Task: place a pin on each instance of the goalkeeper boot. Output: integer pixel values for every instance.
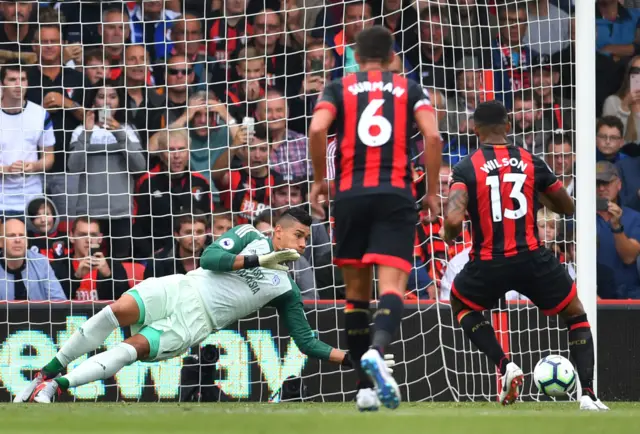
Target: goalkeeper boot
(386, 386)
(25, 394)
(511, 383)
(589, 402)
(367, 400)
(46, 392)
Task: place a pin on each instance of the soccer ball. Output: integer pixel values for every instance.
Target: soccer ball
(554, 375)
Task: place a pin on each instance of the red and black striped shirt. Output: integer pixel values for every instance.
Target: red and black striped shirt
(502, 182)
(374, 113)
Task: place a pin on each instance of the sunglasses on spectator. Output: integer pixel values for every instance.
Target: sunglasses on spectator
(174, 71)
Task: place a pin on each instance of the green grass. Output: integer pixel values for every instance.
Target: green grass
(436, 418)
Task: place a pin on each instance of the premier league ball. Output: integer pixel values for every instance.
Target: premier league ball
(555, 376)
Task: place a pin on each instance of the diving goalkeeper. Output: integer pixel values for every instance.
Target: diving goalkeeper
(239, 273)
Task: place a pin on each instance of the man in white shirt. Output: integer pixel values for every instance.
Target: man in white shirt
(549, 28)
(26, 143)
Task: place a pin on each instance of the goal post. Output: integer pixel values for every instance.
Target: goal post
(586, 240)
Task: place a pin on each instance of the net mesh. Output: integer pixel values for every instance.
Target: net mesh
(176, 120)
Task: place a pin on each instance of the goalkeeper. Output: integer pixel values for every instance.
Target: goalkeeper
(240, 273)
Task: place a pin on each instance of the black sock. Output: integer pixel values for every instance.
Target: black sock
(482, 334)
(386, 320)
(581, 349)
(357, 319)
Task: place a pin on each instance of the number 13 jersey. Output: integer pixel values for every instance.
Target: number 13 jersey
(374, 123)
(502, 182)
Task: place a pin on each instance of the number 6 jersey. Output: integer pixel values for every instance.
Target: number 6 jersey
(374, 124)
(502, 182)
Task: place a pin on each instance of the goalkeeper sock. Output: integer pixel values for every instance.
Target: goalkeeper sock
(87, 338)
(357, 321)
(99, 367)
(481, 333)
(581, 349)
(387, 319)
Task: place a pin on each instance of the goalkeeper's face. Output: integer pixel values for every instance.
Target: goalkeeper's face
(290, 234)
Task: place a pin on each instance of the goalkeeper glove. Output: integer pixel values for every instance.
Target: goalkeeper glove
(389, 361)
(272, 260)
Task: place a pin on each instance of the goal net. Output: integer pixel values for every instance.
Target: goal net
(175, 120)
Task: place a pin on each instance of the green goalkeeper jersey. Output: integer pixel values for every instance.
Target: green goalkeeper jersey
(230, 295)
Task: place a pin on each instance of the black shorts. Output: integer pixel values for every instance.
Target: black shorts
(537, 275)
(375, 229)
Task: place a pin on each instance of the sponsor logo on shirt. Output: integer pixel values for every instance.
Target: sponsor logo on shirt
(275, 280)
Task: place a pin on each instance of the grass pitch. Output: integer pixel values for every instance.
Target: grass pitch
(315, 418)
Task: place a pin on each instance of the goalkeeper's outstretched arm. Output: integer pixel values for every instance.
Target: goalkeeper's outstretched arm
(289, 306)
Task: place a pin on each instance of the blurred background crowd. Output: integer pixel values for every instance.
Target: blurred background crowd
(132, 133)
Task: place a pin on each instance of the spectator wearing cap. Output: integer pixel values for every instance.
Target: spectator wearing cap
(618, 232)
(24, 274)
(548, 29)
(609, 139)
(167, 194)
(557, 112)
(510, 56)
(438, 56)
(289, 151)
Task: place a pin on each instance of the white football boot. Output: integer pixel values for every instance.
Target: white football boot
(511, 383)
(588, 404)
(367, 400)
(25, 394)
(386, 387)
(46, 392)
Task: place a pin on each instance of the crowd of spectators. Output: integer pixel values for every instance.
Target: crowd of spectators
(132, 133)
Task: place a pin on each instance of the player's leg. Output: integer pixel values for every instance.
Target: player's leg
(99, 367)
(352, 222)
(554, 292)
(469, 297)
(391, 249)
(88, 337)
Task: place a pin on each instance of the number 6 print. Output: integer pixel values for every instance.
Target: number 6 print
(370, 119)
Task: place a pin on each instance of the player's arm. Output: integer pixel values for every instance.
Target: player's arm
(324, 114)
(224, 254)
(289, 306)
(456, 211)
(551, 192)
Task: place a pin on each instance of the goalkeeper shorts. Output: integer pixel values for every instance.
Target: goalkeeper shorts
(537, 275)
(172, 316)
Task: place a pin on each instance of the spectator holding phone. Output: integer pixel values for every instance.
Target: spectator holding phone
(618, 231)
(625, 104)
(83, 271)
(106, 152)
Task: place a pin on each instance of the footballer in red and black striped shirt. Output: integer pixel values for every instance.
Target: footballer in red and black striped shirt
(375, 216)
(501, 186)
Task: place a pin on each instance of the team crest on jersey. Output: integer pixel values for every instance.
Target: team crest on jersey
(58, 248)
(275, 280)
(227, 243)
(197, 193)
